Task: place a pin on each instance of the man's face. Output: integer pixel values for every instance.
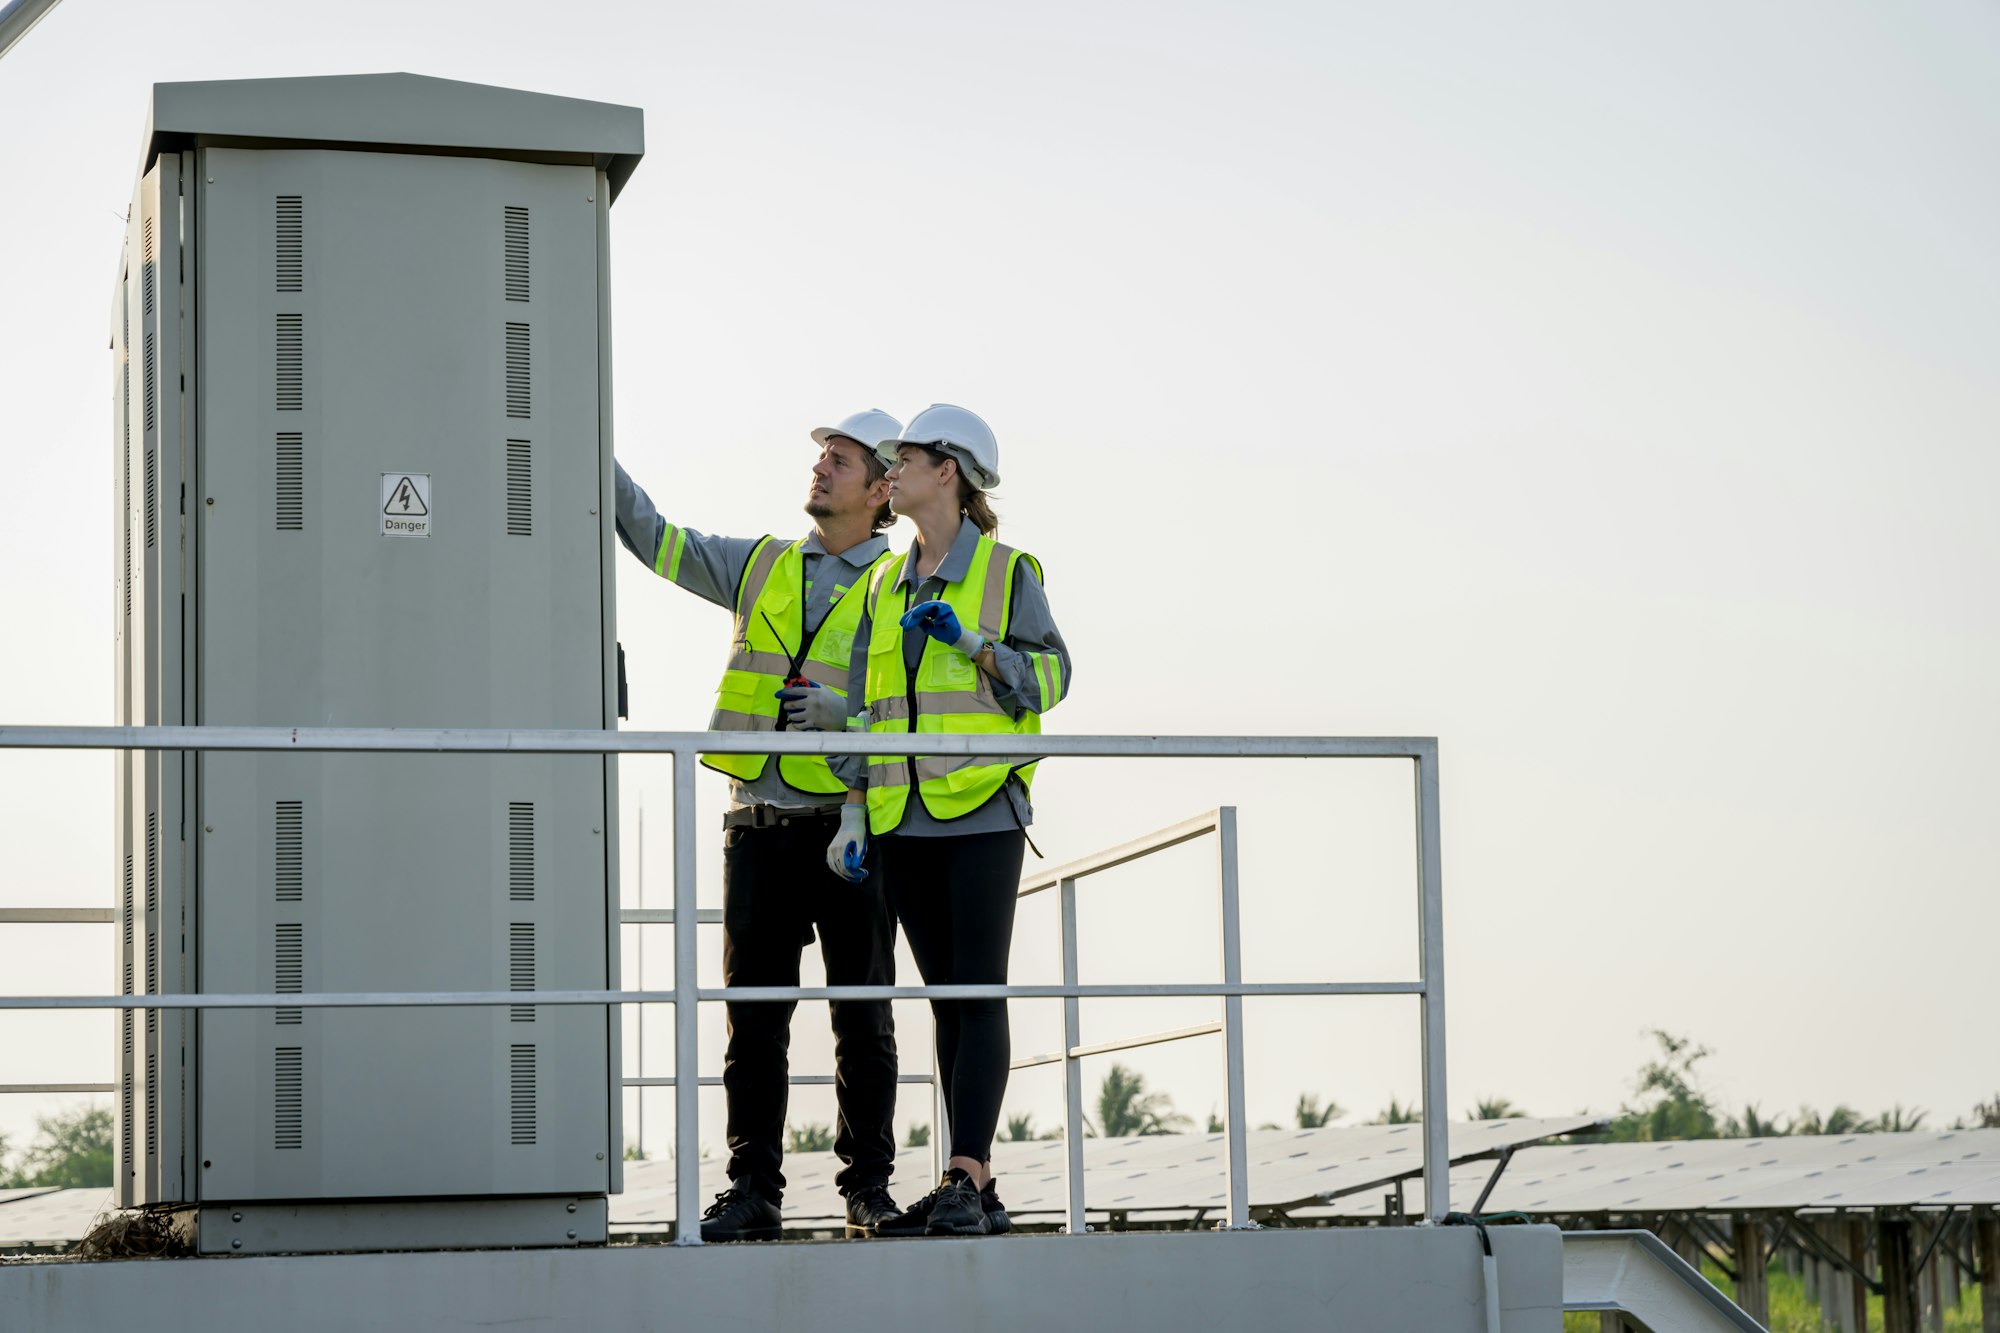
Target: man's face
(840, 487)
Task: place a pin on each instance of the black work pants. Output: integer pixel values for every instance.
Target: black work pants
(775, 890)
(955, 897)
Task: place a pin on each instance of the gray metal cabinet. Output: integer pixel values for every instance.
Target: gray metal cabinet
(371, 490)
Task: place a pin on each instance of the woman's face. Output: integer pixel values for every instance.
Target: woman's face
(917, 479)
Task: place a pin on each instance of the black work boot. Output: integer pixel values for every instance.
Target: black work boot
(997, 1220)
(869, 1207)
(957, 1211)
(912, 1220)
(740, 1214)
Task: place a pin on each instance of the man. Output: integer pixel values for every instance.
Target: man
(796, 607)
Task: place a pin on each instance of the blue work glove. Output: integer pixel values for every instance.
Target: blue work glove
(938, 620)
(844, 855)
(813, 707)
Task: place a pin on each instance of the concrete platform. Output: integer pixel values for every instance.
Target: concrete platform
(1373, 1280)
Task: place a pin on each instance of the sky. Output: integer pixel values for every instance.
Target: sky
(1607, 391)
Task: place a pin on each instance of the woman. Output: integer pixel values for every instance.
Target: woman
(955, 638)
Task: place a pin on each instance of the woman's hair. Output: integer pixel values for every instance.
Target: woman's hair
(876, 469)
(972, 501)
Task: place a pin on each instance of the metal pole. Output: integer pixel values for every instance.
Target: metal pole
(687, 1014)
(1430, 935)
(18, 17)
(639, 1010)
(940, 1118)
(1072, 1068)
(1232, 1021)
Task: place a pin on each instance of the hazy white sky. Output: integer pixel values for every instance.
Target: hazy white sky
(1608, 391)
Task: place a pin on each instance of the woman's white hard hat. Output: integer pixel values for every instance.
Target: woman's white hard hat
(957, 432)
(867, 429)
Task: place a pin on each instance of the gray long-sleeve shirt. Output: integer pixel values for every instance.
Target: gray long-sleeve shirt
(1026, 681)
(712, 568)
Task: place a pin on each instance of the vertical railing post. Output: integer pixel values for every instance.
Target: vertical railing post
(1430, 940)
(1232, 1020)
(1072, 1069)
(687, 1013)
(940, 1117)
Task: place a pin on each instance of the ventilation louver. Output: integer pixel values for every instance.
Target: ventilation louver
(521, 966)
(520, 489)
(521, 1095)
(291, 243)
(519, 397)
(288, 1102)
(521, 851)
(291, 474)
(291, 363)
(289, 968)
(517, 253)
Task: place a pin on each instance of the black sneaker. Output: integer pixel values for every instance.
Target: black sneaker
(912, 1220)
(868, 1208)
(740, 1214)
(957, 1211)
(997, 1220)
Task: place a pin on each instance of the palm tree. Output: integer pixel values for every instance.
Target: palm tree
(1898, 1121)
(1311, 1115)
(1495, 1108)
(1987, 1113)
(808, 1138)
(918, 1137)
(1399, 1114)
(1020, 1128)
(1753, 1125)
(1125, 1108)
(1841, 1119)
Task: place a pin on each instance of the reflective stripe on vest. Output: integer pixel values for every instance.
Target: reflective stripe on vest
(771, 604)
(950, 696)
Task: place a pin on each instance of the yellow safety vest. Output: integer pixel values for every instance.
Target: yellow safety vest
(770, 627)
(950, 695)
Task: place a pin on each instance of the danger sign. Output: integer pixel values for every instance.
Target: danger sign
(406, 504)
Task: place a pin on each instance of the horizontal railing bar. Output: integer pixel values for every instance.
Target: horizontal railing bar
(735, 995)
(1172, 836)
(58, 1087)
(10, 916)
(797, 1080)
(433, 740)
(664, 916)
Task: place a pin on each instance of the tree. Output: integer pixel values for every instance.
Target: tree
(1494, 1108)
(809, 1138)
(634, 1153)
(1840, 1120)
(1897, 1120)
(1987, 1114)
(1125, 1108)
(918, 1137)
(72, 1150)
(1215, 1125)
(1753, 1125)
(1311, 1115)
(1673, 1104)
(1020, 1128)
(1399, 1114)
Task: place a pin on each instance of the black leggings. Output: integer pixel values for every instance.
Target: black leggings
(955, 898)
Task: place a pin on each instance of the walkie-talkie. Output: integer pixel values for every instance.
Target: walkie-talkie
(794, 681)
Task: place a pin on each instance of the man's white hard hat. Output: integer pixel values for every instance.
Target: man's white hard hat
(957, 432)
(867, 429)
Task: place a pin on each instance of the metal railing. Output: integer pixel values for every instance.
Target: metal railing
(687, 994)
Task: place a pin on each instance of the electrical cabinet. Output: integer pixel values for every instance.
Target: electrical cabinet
(364, 474)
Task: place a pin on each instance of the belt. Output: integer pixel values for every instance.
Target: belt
(776, 816)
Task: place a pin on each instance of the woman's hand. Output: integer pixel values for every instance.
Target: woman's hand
(938, 620)
(849, 848)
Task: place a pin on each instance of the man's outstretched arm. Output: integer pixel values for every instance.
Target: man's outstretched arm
(709, 567)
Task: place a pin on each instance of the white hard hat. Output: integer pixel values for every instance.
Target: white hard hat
(867, 429)
(959, 433)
